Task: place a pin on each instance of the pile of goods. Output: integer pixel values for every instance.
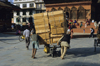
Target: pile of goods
(50, 26)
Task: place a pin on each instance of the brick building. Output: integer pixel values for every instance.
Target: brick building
(79, 10)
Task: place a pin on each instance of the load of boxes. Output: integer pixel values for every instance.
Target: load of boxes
(50, 26)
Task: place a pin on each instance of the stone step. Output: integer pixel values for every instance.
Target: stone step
(86, 27)
(84, 23)
(80, 30)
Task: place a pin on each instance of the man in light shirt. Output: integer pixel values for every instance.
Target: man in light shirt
(26, 33)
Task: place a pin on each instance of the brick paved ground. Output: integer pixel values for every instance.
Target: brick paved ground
(81, 53)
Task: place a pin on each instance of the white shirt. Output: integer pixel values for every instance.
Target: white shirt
(26, 33)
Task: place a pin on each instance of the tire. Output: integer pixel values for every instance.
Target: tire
(20, 38)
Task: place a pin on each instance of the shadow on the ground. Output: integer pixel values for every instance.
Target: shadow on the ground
(82, 52)
(78, 64)
(8, 39)
(77, 52)
(7, 35)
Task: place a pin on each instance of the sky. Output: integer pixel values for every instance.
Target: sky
(10, 1)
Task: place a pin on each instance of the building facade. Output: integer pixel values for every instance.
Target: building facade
(6, 9)
(79, 10)
(28, 9)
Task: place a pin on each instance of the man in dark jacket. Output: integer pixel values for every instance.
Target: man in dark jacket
(92, 33)
(64, 41)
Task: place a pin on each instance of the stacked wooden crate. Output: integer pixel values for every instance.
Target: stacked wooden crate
(42, 26)
(57, 27)
(50, 26)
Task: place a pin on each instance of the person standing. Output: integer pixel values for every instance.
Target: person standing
(95, 24)
(85, 25)
(83, 30)
(71, 33)
(92, 33)
(35, 43)
(81, 24)
(26, 33)
(64, 41)
(32, 31)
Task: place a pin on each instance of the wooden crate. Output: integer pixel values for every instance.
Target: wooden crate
(41, 21)
(44, 35)
(42, 27)
(55, 40)
(38, 16)
(57, 31)
(55, 36)
(47, 41)
(42, 31)
(55, 13)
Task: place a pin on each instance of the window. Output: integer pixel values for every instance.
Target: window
(31, 5)
(24, 19)
(18, 12)
(24, 12)
(31, 20)
(40, 5)
(37, 5)
(18, 19)
(24, 5)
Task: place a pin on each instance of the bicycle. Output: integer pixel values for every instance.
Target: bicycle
(21, 38)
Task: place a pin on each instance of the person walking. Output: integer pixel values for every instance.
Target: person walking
(35, 44)
(64, 42)
(92, 33)
(81, 24)
(26, 33)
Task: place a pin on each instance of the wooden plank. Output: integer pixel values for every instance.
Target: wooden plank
(42, 31)
(55, 36)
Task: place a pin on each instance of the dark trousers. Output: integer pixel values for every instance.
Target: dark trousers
(27, 40)
(91, 35)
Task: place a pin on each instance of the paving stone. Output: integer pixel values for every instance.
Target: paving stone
(81, 53)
